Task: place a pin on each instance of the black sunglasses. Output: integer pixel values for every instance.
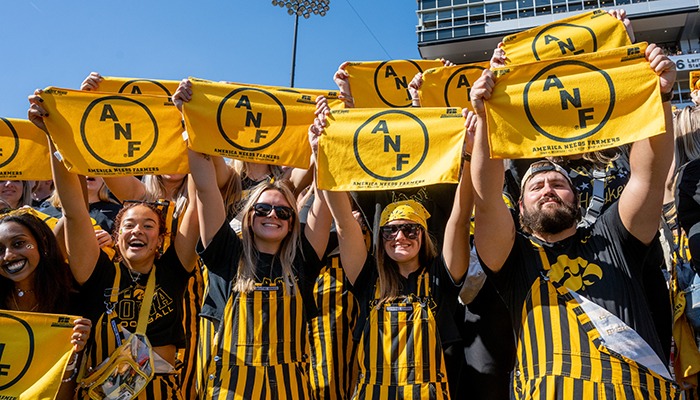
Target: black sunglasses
(389, 232)
(264, 210)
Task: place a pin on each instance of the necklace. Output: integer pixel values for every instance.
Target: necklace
(14, 300)
(135, 275)
(21, 292)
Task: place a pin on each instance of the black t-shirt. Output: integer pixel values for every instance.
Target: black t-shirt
(104, 212)
(603, 263)
(443, 293)
(222, 256)
(165, 322)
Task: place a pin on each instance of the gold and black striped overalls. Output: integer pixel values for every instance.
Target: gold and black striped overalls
(106, 341)
(261, 346)
(560, 353)
(400, 353)
(333, 362)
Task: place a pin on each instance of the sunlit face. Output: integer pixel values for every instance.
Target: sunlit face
(11, 192)
(271, 228)
(402, 249)
(139, 238)
(548, 204)
(19, 252)
(94, 183)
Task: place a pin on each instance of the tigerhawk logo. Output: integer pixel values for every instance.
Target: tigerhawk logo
(576, 274)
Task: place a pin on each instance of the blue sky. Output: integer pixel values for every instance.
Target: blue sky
(58, 43)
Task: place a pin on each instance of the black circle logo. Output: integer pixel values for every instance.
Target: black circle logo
(144, 86)
(557, 40)
(248, 121)
(560, 100)
(9, 142)
(133, 131)
(391, 79)
(462, 78)
(391, 150)
(22, 346)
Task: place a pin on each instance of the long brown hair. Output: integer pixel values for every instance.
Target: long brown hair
(245, 276)
(53, 281)
(388, 270)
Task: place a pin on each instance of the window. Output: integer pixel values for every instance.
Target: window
(445, 14)
(444, 33)
(461, 32)
(508, 5)
(543, 10)
(460, 12)
(526, 13)
(444, 3)
(427, 4)
(428, 36)
(493, 8)
(477, 30)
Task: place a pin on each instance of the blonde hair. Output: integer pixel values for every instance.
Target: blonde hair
(26, 198)
(388, 270)
(686, 130)
(155, 190)
(245, 276)
(241, 167)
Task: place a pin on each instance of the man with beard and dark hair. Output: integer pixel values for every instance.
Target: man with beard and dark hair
(576, 295)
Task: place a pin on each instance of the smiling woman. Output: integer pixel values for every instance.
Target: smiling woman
(260, 283)
(34, 277)
(113, 291)
(16, 193)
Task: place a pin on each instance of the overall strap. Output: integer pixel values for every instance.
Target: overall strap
(146, 302)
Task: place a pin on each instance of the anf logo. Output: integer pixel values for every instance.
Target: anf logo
(119, 131)
(459, 85)
(16, 351)
(391, 145)
(145, 86)
(391, 79)
(9, 142)
(560, 40)
(556, 98)
(251, 119)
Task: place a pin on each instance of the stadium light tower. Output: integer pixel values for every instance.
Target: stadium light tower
(301, 8)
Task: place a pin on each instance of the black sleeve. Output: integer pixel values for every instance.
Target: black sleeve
(611, 226)
(443, 284)
(221, 260)
(93, 291)
(222, 253)
(688, 199)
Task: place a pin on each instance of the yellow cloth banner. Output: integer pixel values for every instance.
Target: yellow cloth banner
(156, 87)
(579, 104)
(379, 149)
(250, 124)
(694, 80)
(330, 95)
(449, 86)
(34, 351)
(106, 134)
(24, 151)
(384, 83)
(583, 33)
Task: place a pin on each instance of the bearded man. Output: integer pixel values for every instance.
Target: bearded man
(576, 295)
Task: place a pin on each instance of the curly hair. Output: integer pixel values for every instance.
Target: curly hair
(129, 204)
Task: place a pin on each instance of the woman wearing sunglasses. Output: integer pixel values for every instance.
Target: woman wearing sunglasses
(407, 291)
(259, 289)
(112, 291)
